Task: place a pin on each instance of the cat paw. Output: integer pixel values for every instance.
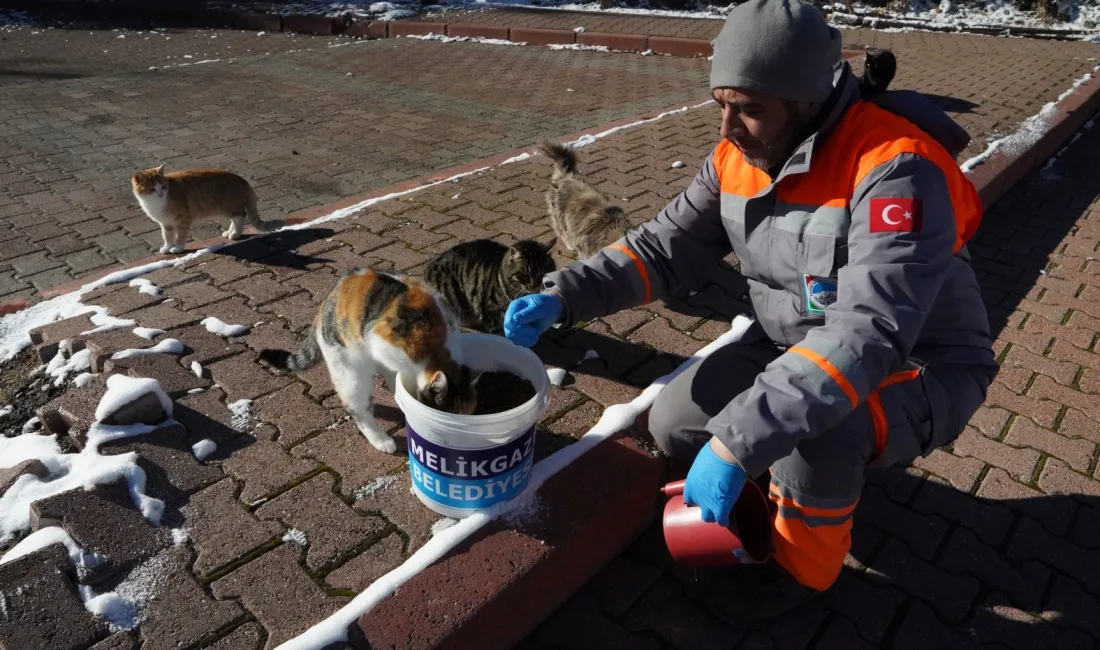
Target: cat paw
(166, 248)
(387, 447)
(177, 249)
(233, 236)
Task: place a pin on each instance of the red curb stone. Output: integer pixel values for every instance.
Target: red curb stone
(514, 577)
(477, 31)
(369, 30)
(258, 22)
(630, 42)
(679, 46)
(397, 29)
(535, 36)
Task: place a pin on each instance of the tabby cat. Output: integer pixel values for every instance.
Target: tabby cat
(177, 199)
(391, 325)
(479, 278)
(584, 218)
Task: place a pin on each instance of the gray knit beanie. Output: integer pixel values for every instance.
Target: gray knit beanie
(778, 47)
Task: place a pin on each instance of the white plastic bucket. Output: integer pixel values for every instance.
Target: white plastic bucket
(463, 463)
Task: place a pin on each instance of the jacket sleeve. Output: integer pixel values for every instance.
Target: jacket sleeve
(652, 260)
(884, 294)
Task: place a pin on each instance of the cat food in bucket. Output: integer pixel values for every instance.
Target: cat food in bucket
(463, 463)
(694, 542)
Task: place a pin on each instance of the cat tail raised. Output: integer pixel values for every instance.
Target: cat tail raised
(254, 217)
(308, 354)
(564, 157)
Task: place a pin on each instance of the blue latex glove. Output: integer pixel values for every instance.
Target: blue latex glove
(714, 485)
(530, 316)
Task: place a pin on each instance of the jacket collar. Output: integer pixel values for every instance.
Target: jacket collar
(845, 95)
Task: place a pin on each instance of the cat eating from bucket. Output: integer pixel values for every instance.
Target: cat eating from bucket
(390, 325)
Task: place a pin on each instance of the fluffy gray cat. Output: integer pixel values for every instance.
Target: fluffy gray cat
(584, 218)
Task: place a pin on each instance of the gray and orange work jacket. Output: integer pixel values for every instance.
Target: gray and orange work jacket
(855, 256)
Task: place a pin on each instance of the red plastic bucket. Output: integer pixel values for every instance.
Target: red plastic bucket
(694, 542)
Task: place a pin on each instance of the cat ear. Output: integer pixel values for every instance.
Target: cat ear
(476, 378)
(437, 385)
(514, 254)
(159, 170)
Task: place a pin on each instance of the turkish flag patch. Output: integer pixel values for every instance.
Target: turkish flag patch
(895, 215)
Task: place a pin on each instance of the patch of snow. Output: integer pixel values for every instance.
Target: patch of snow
(397, 14)
(40, 539)
(83, 379)
(295, 536)
(1029, 131)
(167, 346)
(240, 414)
(196, 369)
(14, 327)
(121, 390)
(455, 197)
(557, 376)
(679, 164)
(147, 333)
(145, 286)
(120, 613)
(614, 419)
(179, 536)
(195, 390)
(580, 30)
(588, 139)
(381, 7)
(106, 322)
(31, 424)
(577, 47)
(203, 448)
(380, 483)
(439, 38)
(442, 525)
(59, 367)
(221, 328)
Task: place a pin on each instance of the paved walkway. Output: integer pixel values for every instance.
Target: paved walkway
(992, 542)
(980, 539)
(337, 118)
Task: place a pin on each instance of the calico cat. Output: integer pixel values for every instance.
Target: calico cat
(391, 325)
(879, 68)
(479, 278)
(584, 218)
(177, 199)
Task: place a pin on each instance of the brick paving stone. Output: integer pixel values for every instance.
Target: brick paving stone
(1059, 478)
(350, 454)
(1070, 606)
(1086, 528)
(1003, 623)
(333, 530)
(962, 473)
(298, 310)
(922, 629)
(922, 534)
(246, 637)
(174, 379)
(989, 519)
(871, 608)
(119, 641)
(278, 593)
(73, 411)
(171, 471)
(8, 475)
(1024, 582)
(220, 528)
(1055, 514)
(195, 295)
(261, 289)
(46, 338)
(396, 502)
(293, 414)
(180, 613)
(990, 421)
(1077, 453)
(163, 316)
(576, 422)
(579, 625)
(362, 570)
(204, 347)
(898, 484)
(1031, 542)
(243, 378)
(103, 520)
(232, 311)
(41, 605)
(262, 464)
(205, 416)
(621, 583)
(122, 300)
(950, 594)
(1021, 463)
(665, 612)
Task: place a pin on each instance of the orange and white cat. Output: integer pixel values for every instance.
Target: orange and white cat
(177, 199)
(377, 323)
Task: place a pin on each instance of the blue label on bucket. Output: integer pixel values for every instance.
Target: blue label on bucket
(470, 478)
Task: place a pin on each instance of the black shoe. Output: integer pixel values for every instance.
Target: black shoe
(749, 596)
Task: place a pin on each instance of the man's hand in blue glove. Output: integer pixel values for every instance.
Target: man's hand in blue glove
(714, 484)
(530, 316)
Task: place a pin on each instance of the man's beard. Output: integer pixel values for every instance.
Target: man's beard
(777, 153)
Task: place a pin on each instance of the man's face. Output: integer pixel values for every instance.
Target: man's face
(765, 128)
